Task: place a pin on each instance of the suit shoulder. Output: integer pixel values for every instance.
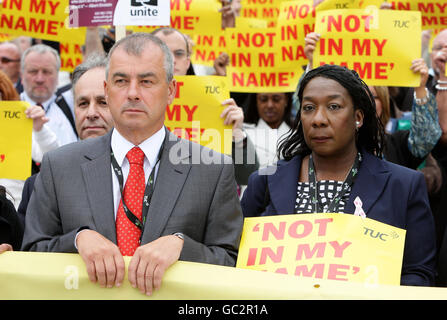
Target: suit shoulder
(74, 149)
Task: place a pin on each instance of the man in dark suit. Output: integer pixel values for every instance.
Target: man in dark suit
(191, 209)
(92, 115)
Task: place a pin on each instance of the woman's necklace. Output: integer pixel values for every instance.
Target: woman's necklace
(347, 183)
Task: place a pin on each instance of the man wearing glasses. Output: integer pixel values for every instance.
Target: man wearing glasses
(10, 63)
(178, 44)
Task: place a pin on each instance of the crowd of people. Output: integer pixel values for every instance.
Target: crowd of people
(104, 183)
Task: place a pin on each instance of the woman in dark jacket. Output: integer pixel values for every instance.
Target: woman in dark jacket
(334, 154)
(11, 228)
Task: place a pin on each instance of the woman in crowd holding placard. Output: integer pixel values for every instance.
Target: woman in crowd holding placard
(333, 156)
(267, 119)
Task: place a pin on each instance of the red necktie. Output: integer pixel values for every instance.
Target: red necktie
(127, 233)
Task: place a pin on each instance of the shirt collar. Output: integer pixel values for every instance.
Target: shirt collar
(150, 146)
(45, 104)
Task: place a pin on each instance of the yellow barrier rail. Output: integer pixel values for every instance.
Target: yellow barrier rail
(61, 276)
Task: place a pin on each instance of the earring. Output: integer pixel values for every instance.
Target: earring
(357, 123)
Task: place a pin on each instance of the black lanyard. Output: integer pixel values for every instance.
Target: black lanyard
(313, 189)
(148, 191)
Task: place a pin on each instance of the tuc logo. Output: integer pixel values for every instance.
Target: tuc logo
(139, 3)
(379, 235)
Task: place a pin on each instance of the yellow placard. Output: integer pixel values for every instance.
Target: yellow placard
(348, 4)
(255, 55)
(296, 20)
(434, 12)
(42, 19)
(207, 47)
(242, 22)
(192, 17)
(63, 276)
(371, 44)
(5, 37)
(195, 112)
(330, 246)
(267, 10)
(71, 55)
(15, 140)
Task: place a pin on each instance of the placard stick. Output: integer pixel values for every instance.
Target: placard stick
(120, 32)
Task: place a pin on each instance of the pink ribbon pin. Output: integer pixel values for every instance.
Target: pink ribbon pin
(358, 208)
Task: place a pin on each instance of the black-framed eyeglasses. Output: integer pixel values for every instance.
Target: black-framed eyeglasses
(8, 60)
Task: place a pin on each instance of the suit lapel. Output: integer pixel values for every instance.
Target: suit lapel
(369, 184)
(98, 183)
(283, 186)
(168, 185)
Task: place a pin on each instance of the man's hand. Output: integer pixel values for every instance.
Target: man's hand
(150, 261)
(233, 115)
(103, 259)
(37, 114)
(419, 66)
(221, 63)
(5, 247)
(310, 42)
(228, 15)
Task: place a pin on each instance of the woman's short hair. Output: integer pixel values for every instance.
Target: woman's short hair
(7, 90)
(370, 135)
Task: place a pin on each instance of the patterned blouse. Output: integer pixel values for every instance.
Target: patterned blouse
(425, 130)
(327, 190)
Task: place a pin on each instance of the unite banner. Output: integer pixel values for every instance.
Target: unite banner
(118, 12)
(15, 140)
(332, 246)
(371, 44)
(63, 276)
(191, 17)
(195, 112)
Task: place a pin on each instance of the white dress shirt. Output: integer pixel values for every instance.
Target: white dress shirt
(265, 140)
(58, 123)
(121, 147)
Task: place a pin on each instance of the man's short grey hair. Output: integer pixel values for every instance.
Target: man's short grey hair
(169, 30)
(135, 43)
(94, 60)
(41, 49)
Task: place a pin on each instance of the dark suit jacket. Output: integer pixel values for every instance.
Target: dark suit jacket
(19, 86)
(26, 195)
(74, 190)
(11, 227)
(390, 193)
